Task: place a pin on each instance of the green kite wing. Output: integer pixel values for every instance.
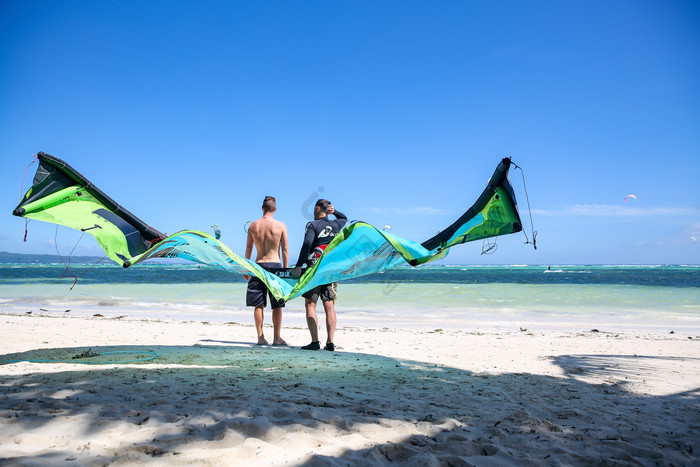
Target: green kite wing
(61, 195)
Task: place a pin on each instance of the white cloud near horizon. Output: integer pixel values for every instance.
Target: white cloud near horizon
(610, 210)
(591, 210)
(689, 235)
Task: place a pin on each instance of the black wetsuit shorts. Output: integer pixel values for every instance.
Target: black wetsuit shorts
(257, 290)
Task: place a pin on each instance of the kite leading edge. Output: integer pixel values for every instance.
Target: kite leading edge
(61, 195)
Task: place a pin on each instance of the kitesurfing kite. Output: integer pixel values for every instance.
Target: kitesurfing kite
(61, 195)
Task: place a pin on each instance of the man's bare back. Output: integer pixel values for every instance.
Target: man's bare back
(269, 237)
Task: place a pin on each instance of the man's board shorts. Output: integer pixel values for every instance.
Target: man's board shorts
(257, 290)
(327, 292)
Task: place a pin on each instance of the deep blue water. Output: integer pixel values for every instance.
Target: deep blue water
(660, 275)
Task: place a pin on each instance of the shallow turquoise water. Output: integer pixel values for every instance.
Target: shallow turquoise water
(644, 297)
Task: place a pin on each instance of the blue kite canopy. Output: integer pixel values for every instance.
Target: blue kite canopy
(61, 195)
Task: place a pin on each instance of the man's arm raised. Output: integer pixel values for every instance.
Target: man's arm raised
(341, 218)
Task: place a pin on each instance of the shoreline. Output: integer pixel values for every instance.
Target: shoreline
(294, 316)
(483, 397)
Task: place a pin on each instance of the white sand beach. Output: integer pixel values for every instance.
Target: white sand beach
(405, 396)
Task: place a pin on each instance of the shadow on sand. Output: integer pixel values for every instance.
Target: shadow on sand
(222, 395)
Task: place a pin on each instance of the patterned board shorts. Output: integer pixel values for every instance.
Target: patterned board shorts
(327, 292)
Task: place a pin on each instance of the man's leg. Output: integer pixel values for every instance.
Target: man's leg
(255, 297)
(312, 319)
(277, 326)
(258, 313)
(329, 307)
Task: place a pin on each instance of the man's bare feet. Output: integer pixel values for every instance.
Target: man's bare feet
(281, 343)
(262, 341)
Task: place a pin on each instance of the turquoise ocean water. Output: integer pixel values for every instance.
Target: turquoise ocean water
(609, 298)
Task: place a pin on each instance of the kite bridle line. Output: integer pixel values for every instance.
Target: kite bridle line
(488, 247)
(67, 266)
(529, 211)
(157, 240)
(21, 189)
(21, 194)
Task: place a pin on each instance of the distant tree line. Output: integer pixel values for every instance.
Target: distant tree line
(24, 258)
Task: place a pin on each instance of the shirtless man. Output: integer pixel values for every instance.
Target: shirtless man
(269, 237)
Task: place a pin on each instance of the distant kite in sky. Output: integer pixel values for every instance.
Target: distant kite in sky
(631, 196)
(217, 231)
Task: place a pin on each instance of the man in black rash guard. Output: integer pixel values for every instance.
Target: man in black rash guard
(319, 233)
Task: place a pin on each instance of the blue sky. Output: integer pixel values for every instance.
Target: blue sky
(189, 113)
